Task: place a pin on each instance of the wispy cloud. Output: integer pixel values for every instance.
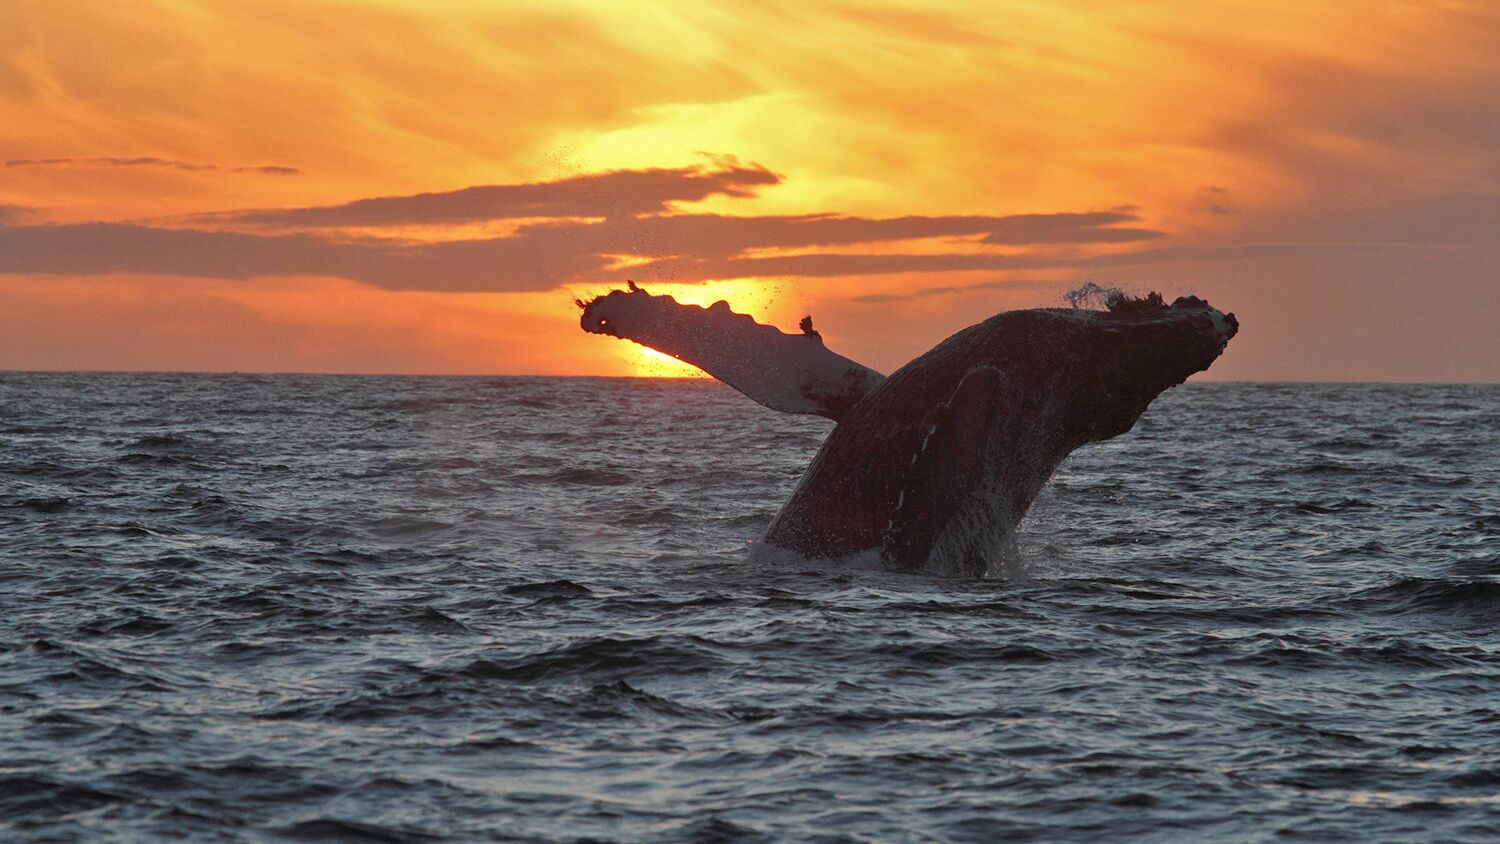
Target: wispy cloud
(953, 289)
(151, 161)
(715, 235)
(1214, 200)
(587, 229)
(621, 193)
(103, 248)
(1139, 257)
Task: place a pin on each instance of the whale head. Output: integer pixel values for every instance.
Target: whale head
(1129, 354)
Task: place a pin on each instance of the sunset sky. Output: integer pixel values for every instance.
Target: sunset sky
(420, 186)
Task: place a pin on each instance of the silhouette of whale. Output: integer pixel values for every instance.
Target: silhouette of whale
(933, 468)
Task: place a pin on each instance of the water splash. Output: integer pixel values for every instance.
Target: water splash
(1093, 297)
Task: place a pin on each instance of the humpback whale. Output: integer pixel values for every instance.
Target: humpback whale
(933, 468)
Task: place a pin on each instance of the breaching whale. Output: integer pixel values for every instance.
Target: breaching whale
(933, 468)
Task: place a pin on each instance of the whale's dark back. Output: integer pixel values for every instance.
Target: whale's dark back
(940, 463)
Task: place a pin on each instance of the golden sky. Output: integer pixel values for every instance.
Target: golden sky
(405, 186)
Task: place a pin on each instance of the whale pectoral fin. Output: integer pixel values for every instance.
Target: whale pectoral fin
(794, 373)
(944, 472)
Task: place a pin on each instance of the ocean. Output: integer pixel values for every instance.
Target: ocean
(327, 608)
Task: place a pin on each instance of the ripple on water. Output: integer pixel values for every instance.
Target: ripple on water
(396, 609)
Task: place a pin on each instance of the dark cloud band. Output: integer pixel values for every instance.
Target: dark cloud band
(598, 228)
(621, 193)
(148, 161)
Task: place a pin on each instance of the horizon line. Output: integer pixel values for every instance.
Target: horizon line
(704, 377)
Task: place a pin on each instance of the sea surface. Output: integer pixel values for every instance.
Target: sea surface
(303, 608)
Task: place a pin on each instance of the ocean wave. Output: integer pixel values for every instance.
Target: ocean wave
(43, 504)
(162, 441)
(306, 612)
(48, 796)
(942, 654)
(597, 656)
(352, 832)
(1477, 597)
(1335, 506)
(575, 476)
(548, 589)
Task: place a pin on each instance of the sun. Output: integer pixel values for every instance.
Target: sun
(649, 363)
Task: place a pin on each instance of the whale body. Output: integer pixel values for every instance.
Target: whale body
(936, 467)
(933, 468)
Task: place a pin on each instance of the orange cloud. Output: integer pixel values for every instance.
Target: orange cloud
(287, 325)
(1350, 146)
(557, 244)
